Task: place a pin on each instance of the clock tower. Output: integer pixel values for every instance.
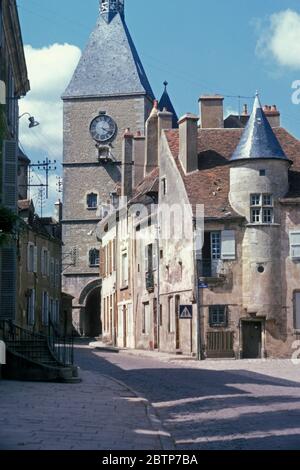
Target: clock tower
(108, 93)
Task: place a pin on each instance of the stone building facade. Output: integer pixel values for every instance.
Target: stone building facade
(39, 273)
(214, 267)
(14, 84)
(108, 93)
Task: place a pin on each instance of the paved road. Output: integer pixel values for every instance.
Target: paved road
(222, 405)
(97, 414)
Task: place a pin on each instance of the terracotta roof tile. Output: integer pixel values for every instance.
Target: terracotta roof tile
(210, 185)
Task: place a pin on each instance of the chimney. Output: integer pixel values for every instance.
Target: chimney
(151, 147)
(211, 112)
(273, 115)
(165, 121)
(188, 142)
(127, 164)
(138, 157)
(58, 207)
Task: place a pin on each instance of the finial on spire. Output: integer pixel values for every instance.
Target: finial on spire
(166, 84)
(110, 8)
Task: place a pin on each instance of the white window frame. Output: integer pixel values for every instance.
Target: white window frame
(124, 269)
(294, 245)
(259, 206)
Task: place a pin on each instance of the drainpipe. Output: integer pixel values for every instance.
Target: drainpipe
(158, 282)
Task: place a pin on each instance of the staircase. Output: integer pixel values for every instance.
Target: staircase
(36, 357)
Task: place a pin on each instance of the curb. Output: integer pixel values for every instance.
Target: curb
(165, 438)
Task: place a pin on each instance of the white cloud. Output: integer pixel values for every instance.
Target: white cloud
(49, 69)
(280, 39)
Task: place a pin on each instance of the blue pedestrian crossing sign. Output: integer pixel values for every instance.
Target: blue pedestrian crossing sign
(186, 312)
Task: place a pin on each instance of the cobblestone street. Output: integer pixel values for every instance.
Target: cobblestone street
(212, 405)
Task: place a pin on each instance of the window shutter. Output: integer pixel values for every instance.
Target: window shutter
(48, 264)
(28, 258)
(228, 245)
(114, 254)
(297, 311)
(32, 307)
(155, 256)
(8, 283)
(146, 258)
(35, 260)
(9, 174)
(295, 245)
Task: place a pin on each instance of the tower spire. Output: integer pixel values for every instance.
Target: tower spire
(110, 8)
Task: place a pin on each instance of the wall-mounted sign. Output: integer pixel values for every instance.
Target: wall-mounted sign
(186, 312)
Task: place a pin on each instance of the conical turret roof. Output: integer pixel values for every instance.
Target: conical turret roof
(258, 139)
(166, 103)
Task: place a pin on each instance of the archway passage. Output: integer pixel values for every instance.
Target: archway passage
(92, 315)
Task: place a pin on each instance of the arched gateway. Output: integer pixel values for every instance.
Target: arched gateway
(90, 310)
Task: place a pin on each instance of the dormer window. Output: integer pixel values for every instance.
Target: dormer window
(92, 201)
(261, 209)
(94, 256)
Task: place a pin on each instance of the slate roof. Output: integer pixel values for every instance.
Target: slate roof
(166, 103)
(109, 65)
(210, 185)
(258, 139)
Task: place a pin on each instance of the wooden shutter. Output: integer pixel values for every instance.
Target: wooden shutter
(102, 263)
(35, 260)
(155, 256)
(29, 267)
(146, 258)
(8, 283)
(115, 254)
(9, 176)
(297, 311)
(295, 245)
(228, 250)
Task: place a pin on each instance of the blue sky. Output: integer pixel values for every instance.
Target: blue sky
(230, 47)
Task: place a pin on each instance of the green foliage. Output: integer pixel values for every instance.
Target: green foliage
(8, 223)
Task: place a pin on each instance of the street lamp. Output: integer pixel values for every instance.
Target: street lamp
(32, 122)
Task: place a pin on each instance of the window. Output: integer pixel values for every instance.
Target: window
(57, 274)
(30, 257)
(255, 199)
(94, 257)
(267, 200)
(45, 262)
(262, 172)
(31, 307)
(164, 186)
(92, 201)
(255, 216)
(297, 310)
(267, 216)
(146, 319)
(124, 272)
(57, 312)
(261, 210)
(52, 272)
(216, 245)
(45, 309)
(218, 316)
(295, 245)
(171, 315)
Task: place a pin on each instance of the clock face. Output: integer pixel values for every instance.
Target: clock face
(103, 128)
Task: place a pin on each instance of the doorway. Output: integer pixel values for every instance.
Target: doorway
(92, 315)
(252, 339)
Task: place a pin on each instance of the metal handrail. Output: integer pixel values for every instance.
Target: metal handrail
(32, 345)
(62, 347)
